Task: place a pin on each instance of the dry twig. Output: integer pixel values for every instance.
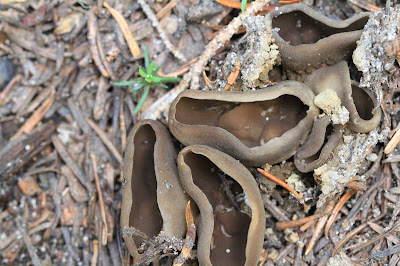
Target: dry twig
(36, 117)
(105, 140)
(8, 88)
(393, 142)
(365, 6)
(92, 32)
(180, 71)
(282, 225)
(159, 107)
(281, 183)
(150, 14)
(95, 252)
(335, 211)
(319, 227)
(190, 238)
(101, 202)
(232, 76)
(377, 238)
(223, 36)
(353, 233)
(132, 44)
(66, 157)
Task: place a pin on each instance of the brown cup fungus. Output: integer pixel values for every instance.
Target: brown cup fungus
(226, 235)
(359, 102)
(319, 145)
(307, 39)
(153, 198)
(255, 127)
(353, 101)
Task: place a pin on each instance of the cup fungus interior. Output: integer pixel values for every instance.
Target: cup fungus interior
(299, 28)
(230, 227)
(253, 123)
(363, 102)
(145, 214)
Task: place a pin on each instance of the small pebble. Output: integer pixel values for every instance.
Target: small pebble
(172, 24)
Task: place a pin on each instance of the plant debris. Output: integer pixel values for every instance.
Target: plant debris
(64, 122)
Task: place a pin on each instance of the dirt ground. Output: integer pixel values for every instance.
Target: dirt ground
(64, 125)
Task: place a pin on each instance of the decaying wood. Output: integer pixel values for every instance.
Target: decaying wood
(159, 108)
(223, 36)
(66, 157)
(130, 39)
(92, 31)
(150, 14)
(19, 152)
(105, 140)
(36, 117)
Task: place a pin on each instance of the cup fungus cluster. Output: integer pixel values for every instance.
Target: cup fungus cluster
(226, 131)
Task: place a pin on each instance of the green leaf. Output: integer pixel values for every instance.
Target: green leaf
(150, 68)
(137, 87)
(170, 79)
(83, 5)
(155, 79)
(128, 82)
(142, 99)
(243, 7)
(142, 72)
(146, 57)
(157, 68)
(123, 83)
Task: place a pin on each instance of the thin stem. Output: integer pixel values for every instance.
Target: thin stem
(281, 183)
(137, 87)
(142, 99)
(127, 83)
(169, 79)
(146, 57)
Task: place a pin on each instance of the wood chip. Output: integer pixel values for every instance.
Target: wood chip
(132, 44)
(105, 140)
(29, 186)
(78, 192)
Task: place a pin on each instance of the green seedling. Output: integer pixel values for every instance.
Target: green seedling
(243, 6)
(83, 5)
(149, 78)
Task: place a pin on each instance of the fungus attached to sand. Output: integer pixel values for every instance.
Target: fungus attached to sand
(153, 198)
(255, 127)
(307, 39)
(358, 101)
(226, 235)
(341, 100)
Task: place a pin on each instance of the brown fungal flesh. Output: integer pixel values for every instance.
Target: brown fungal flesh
(363, 116)
(318, 147)
(226, 236)
(307, 39)
(153, 198)
(300, 28)
(145, 215)
(252, 123)
(362, 101)
(256, 127)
